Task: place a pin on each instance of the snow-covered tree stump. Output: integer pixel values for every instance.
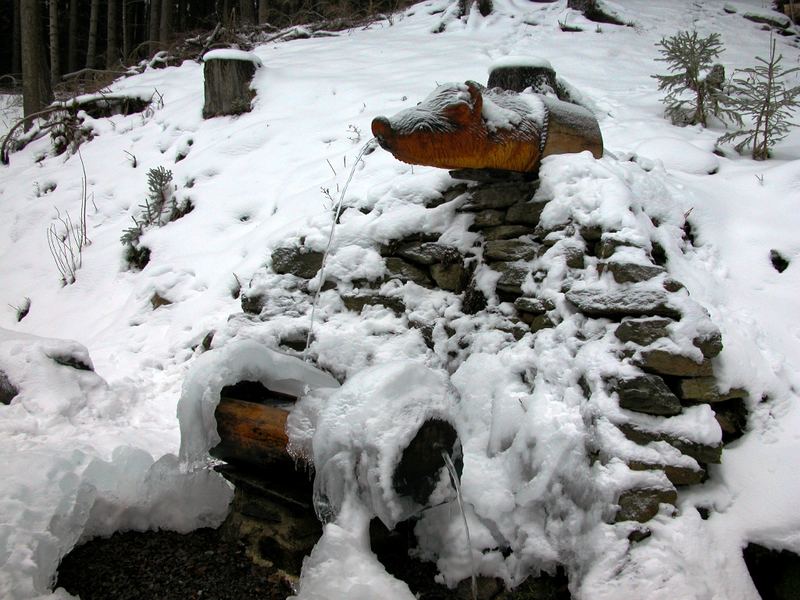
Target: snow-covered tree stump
(228, 74)
(517, 75)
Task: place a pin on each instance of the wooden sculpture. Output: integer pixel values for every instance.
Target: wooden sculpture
(467, 126)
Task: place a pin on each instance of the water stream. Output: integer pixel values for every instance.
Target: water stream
(365, 149)
(451, 468)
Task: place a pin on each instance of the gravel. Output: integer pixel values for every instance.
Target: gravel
(164, 565)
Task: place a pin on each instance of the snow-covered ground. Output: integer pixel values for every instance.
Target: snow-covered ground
(87, 453)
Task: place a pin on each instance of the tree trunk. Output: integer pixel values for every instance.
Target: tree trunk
(55, 55)
(91, 51)
(126, 31)
(165, 31)
(112, 34)
(36, 91)
(183, 16)
(72, 34)
(263, 11)
(227, 87)
(155, 23)
(16, 56)
(247, 12)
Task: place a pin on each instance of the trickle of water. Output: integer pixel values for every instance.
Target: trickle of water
(451, 468)
(365, 149)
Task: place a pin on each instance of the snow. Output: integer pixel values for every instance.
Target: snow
(677, 155)
(91, 452)
(232, 54)
(535, 62)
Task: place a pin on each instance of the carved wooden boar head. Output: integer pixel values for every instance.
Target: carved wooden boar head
(468, 126)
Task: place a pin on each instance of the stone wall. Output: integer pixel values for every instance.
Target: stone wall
(642, 304)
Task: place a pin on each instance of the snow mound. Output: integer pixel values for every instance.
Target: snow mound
(676, 154)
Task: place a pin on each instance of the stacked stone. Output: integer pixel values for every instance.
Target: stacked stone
(642, 306)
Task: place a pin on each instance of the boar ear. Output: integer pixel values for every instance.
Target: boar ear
(475, 95)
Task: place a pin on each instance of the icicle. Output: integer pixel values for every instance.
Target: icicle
(451, 468)
(365, 149)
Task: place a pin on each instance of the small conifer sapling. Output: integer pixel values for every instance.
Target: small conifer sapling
(761, 93)
(694, 86)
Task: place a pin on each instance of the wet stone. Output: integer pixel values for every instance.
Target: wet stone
(405, 271)
(525, 213)
(446, 196)
(474, 300)
(647, 394)
(538, 322)
(356, 302)
(704, 389)
(428, 253)
(607, 246)
(575, 257)
(506, 232)
(510, 250)
(668, 363)
(499, 196)
(643, 331)
(252, 303)
(391, 248)
(732, 418)
(512, 275)
(702, 453)
(301, 262)
(492, 176)
(534, 306)
(673, 285)
(450, 277)
(710, 345)
(615, 304)
(591, 233)
(676, 475)
(488, 218)
(643, 504)
(633, 273)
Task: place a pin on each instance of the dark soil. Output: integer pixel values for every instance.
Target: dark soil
(165, 565)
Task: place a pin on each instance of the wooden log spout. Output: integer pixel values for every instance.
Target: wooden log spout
(467, 126)
(251, 423)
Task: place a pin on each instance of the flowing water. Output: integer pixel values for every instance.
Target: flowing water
(451, 468)
(365, 149)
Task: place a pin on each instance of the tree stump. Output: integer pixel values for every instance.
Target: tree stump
(228, 74)
(517, 75)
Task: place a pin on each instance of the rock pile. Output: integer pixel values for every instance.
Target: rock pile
(663, 341)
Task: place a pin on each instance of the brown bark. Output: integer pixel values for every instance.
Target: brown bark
(227, 87)
(72, 34)
(55, 55)
(91, 50)
(250, 432)
(112, 34)
(263, 11)
(165, 30)
(36, 91)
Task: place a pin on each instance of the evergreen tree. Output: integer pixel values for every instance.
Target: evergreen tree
(694, 87)
(761, 93)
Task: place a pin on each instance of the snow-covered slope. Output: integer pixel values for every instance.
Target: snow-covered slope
(87, 453)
